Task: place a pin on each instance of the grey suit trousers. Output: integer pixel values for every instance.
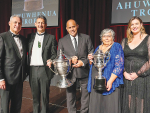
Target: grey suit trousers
(71, 96)
(39, 84)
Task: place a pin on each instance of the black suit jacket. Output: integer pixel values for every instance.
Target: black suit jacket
(49, 49)
(12, 66)
(84, 48)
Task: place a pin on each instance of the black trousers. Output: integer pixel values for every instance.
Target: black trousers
(13, 94)
(39, 84)
(71, 96)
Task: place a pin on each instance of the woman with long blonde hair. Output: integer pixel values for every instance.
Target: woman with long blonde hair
(136, 68)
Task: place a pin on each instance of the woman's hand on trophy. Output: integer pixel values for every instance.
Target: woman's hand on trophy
(74, 59)
(90, 57)
(49, 63)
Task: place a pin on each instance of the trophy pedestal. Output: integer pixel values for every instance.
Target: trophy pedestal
(99, 84)
(64, 83)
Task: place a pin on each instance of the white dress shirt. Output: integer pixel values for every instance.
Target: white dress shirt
(18, 43)
(36, 56)
(72, 39)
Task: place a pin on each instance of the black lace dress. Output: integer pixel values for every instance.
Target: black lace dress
(136, 93)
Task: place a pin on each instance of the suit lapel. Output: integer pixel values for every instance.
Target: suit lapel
(69, 42)
(31, 43)
(79, 43)
(45, 40)
(14, 44)
(23, 47)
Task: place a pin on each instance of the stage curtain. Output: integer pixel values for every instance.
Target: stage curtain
(92, 16)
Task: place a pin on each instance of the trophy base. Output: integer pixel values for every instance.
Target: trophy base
(99, 84)
(64, 83)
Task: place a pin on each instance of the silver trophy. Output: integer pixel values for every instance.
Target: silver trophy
(62, 67)
(100, 61)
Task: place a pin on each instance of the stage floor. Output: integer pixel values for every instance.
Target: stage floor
(57, 101)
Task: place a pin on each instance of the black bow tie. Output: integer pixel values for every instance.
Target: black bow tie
(40, 34)
(16, 36)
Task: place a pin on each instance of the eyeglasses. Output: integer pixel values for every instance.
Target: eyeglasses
(108, 36)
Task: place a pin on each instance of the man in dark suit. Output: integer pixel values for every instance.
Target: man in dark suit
(77, 45)
(41, 46)
(12, 66)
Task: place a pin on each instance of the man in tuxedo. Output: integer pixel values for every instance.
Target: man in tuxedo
(12, 66)
(41, 46)
(78, 46)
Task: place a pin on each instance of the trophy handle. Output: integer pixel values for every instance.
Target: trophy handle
(53, 71)
(108, 55)
(92, 61)
(56, 73)
(69, 67)
(69, 63)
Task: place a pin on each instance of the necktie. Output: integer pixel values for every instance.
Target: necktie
(75, 44)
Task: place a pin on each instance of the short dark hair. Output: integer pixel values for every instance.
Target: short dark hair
(43, 17)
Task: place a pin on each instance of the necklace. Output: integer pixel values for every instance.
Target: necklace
(39, 41)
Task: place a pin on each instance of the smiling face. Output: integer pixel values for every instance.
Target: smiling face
(135, 26)
(72, 27)
(40, 25)
(15, 25)
(107, 39)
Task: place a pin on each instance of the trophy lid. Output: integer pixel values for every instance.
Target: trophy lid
(98, 53)
(61, 57)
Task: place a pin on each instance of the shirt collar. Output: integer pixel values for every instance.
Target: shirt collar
(14, 33)
(72, 38)
(41, 33)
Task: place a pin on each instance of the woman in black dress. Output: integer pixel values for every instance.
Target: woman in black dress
(136, 68)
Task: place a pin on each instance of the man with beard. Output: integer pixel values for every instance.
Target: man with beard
(41, 46)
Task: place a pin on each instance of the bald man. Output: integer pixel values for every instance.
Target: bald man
(77, 45)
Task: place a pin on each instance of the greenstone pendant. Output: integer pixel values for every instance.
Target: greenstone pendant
(39, 44)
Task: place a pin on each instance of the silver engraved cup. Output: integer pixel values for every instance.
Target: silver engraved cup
(100, 61)
(62, 67)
